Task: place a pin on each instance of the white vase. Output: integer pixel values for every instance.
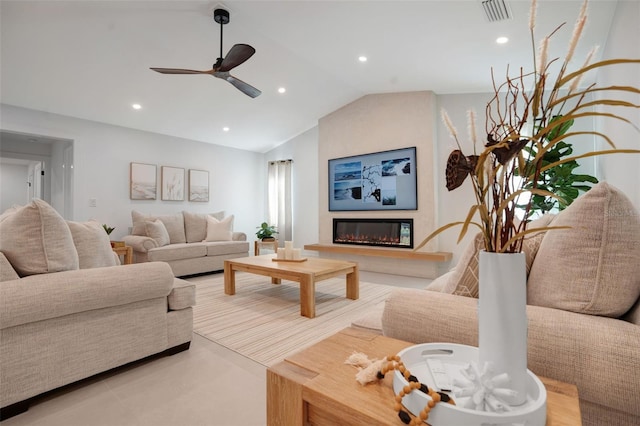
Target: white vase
(502, 318)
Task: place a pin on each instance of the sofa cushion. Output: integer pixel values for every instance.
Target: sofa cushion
(195, 225)
(36, 240)
(177, 252)
(464, 280)
(219, 230)
(220, 248)
(92, 244)
(157, 231)
(174, 224)
(594, 267)
(7, 272)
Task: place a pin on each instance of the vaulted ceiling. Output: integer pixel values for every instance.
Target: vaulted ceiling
(91, 59)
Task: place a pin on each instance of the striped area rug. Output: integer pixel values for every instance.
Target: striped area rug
(262, 321)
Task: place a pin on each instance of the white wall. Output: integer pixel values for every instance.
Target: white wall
(623, 170)
(102, 154)
(303, 150)
(13, 185)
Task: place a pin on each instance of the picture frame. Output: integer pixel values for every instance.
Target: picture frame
(198, 185)
(143, 181)
(172, 183)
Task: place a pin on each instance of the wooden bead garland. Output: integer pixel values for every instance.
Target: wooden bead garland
(393, 362)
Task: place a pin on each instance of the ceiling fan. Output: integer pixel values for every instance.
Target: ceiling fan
(238, 54)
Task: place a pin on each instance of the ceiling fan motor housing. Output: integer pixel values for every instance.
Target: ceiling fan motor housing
(221, 16)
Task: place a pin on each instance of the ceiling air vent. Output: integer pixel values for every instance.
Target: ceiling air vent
(496, 10)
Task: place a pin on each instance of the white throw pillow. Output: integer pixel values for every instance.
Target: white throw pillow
(157, 231)
(35, 239)
(219, 230)
(92, 244)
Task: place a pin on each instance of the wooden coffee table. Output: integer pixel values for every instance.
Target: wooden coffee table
(316, 387)
(306, 273)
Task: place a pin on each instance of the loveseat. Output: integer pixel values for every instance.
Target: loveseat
(68, 311)
(191, 243)
(583, 296)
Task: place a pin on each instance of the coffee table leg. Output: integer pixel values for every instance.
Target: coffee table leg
(353, 284)
(275, 280)
(229, 279)
(307, 296)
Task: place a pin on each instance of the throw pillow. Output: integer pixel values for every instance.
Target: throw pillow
(92, 244)
(157, 231)
(7, 273)
(173, 223)
(593, 267)
(464, 279)
(195, 225)
(219, 230)
(36, 240)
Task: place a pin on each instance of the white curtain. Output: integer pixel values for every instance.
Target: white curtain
(280, 209)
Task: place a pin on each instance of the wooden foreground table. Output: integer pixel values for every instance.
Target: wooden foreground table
(316, 387)
(306, 273)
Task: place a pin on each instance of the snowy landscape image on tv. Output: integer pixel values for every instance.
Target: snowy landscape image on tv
(384, 180)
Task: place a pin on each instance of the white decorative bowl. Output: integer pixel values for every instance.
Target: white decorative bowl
(455, 358)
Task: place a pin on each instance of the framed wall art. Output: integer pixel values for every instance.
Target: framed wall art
(143, 181)
(172, 183)
(198, 185)
(378, 181)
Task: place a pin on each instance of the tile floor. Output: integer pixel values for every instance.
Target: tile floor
(207, 385)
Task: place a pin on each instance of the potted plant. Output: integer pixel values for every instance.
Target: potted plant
(266, 232)
(527, 120)
(108, 229)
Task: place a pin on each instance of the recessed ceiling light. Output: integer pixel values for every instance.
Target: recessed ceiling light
(281, 90)
(136, 106)
(225, 129)
(502, 40)
(362, 58)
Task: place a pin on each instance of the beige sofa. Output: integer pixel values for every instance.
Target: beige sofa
(583, 296)
(68, 311)
(185, 241)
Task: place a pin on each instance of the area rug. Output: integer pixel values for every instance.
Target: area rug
(262, 321)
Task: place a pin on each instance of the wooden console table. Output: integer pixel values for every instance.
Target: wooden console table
(316, 387)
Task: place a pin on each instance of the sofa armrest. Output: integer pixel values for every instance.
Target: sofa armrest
(41, 297)
(238, 236)
(140, 243)
(598, 354)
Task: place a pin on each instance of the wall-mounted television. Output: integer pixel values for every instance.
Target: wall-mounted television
(384, 180)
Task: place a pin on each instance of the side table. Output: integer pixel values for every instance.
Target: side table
(259, 244)
(126, 252)
(315, 386)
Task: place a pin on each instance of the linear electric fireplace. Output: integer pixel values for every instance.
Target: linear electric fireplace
(374, 232)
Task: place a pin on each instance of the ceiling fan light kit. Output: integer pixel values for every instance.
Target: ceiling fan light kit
(237, 55)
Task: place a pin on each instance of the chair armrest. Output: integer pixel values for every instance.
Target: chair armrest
(239, 236)
(598, 354)
(45, 296)
(140, 243)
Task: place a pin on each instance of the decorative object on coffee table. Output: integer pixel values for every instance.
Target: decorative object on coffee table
(520, 121)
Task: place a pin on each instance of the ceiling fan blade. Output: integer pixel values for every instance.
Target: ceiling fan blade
(245, 88)
(237, 55)
(180, 71)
